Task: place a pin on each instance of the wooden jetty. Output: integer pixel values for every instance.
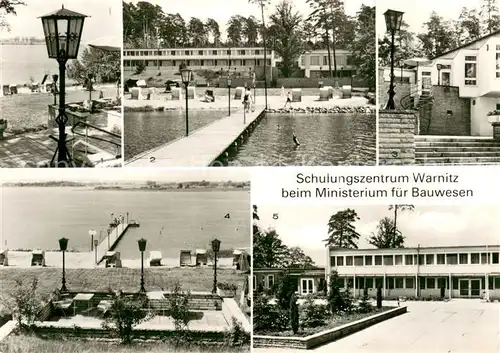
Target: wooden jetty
(208, 146)
(109, 242)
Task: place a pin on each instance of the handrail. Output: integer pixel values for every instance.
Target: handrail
(98, 138)
(94, 127)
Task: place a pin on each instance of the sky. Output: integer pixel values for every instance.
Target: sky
(105, 18)
(418, 12)
(306, 226)
(222, 10)
(129, 174)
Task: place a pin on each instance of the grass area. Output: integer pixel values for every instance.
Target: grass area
(335, 321)
(125, 279)
(29, 344)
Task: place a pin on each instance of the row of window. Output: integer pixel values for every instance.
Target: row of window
(423, 282)
(315, 60)
(212, 52)
(413, 259)
(175, 63)
(497, 62)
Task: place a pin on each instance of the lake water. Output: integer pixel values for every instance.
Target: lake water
(325, 139)
(146, 130)
(34, 217)
(20, 62)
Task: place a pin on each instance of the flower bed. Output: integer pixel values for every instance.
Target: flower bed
(322, 110)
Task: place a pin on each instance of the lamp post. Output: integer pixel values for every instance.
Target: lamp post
(96, 242)
(186, 75)
(229, 93)
(63, 246)
(109, 232)
(63, 31)
(142, 247)
(90, 76)
(92, 234)
(393, 21)
(439, 68)
(215, 249)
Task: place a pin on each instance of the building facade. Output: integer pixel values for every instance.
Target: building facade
(315, 63)
(309, 281)
(238, 61)
(449, 272)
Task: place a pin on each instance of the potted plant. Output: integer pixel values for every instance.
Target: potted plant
(494, 120)
(226, 290)
(3, 126)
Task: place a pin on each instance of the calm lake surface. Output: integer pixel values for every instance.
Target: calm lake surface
(20, 62)
(36, 217)
(147, 130)
(325, 140)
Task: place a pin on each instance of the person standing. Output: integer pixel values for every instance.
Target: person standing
(288, 100)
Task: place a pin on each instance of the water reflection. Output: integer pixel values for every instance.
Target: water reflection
(325, 139)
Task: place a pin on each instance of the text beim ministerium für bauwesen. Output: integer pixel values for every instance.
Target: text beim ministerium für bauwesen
(411, 185)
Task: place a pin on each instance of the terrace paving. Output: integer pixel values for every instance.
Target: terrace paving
(458, 326)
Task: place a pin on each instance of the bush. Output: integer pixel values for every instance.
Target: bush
(364, 305)
(237, 335)
(268, 316)
(178, 307)
(285, 289)
(312, 314)
(24, 302)
(294, 314)
(227, 286)
(340, 300)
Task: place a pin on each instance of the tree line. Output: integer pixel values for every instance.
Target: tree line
(269, 251)
(440, 35)
(288, 32)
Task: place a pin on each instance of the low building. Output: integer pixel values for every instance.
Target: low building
(451, 272)
(238, 61)
(309, 281)
(315, 63)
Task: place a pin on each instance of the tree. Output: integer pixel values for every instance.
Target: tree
(363, 46)
(439, 36)
(490, 16)
(213, 29)
(8, 7)
(286, 287)
(296, 258)
(173, 31)
(387, 237)
(251, 31)
(24, 302)
(178, 307)
(104, 65)
(268, 250)
(396, 209)
(364, 304)
(235, 29)
(286, 25)
(338, 298)
(407, 46)
(256, 228)
(468, 26)
(197, 33)
(341, 230)
(294, 314)
(126, 312)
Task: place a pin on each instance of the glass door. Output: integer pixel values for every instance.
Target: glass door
(464, 287)
(445, 78)
(307, 286)
(475, 287)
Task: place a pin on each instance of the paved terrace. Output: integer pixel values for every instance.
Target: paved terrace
(458, 326)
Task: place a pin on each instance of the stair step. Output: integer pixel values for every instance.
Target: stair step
(421, 138)
(473, 163)
(457, 160)
(455, 149)
(434, 154)
(456, 144)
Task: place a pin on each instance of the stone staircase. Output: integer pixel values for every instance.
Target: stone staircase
(456, 150)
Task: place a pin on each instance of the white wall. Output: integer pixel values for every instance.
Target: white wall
(479, 120)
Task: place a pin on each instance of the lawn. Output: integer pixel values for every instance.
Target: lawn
(335, 321)
(29, 344)
(125, 279)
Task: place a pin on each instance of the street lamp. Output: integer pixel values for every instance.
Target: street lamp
(215, 249)
(187, 76)
(439, 68)
(63, 31)
(393, 21)
(229, 92)
(142, 247)
(63, 245)
(90, 76)
(92, 234)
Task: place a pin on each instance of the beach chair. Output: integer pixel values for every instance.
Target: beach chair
(112, 259)
(296, 95)
(4, 257)
(324, 94)
(201, 257)
(155, 258)
(185, 258)
(38, 258)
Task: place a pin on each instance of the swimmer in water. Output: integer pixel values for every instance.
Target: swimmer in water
(295, 139)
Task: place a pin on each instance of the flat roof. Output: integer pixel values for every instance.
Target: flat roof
(451, 247)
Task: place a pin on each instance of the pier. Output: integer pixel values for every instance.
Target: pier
(109, 242)
(210, 145)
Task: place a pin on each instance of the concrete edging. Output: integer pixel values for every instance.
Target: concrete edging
(320, 338)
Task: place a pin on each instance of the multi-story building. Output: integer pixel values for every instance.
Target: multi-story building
(238, 61)
(315, 63)
(451, 272)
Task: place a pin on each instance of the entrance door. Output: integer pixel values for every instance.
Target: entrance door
(426, 81)
(445, 78)
(464, 287)
(475, 287)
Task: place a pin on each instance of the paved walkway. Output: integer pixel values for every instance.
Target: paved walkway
(459, 326)
(7, 328)
(201, 147)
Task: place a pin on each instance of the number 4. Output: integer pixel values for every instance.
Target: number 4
(227, 216)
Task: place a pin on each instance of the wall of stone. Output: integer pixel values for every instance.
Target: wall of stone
(447, 115)
(396, 137)
(401, 88)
